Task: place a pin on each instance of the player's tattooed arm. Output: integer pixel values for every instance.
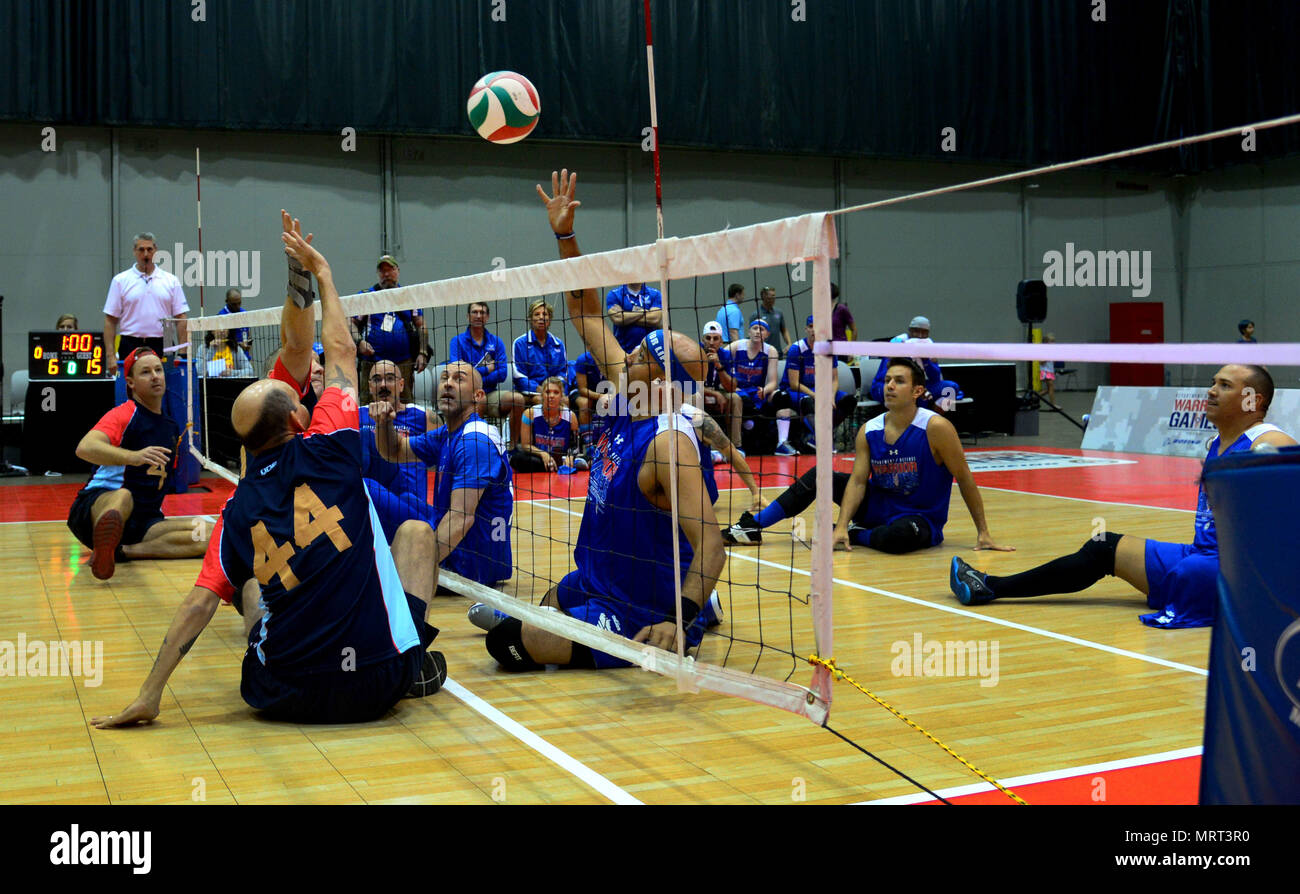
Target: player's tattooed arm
(339, 378)
(191, 618)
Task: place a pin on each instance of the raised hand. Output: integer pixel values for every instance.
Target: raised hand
(561, 204)
(298, 247)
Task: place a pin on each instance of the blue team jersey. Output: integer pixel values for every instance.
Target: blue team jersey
(1206, 539)
(647, 299)
(400, 478)
(133, 426)
(555, 439)
(713, 377)
(586, 365)
(905, 479)
(689, 411)
(802, 359)
(463, 347)
(536, 361)
(624, 547)
(390, 334)
(750, 372)
(473, 457)
(301, 523)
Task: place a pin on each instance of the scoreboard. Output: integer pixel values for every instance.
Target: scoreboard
(61, 356)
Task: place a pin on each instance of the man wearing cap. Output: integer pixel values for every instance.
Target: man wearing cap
(940, 392)
(118, 514)
(139, 299)
(754, 368)
(800, 380)
(634, 309)
(394, 335)
(719, 386)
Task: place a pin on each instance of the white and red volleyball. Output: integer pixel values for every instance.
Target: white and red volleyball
(504, 107)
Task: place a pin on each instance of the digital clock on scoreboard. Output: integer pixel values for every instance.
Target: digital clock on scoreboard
(65, 355)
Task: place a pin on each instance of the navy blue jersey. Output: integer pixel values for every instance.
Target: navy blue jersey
(631, 335)
(555, 439)
(301, 523)
(133, 426)
(624, 547)
(713, 377)
(905, 479)
(749, 371)
(477, 354)
(586, 365)
(473, 457)
(803, 360)
(400, 478)
(1206, 538)
(390, 334)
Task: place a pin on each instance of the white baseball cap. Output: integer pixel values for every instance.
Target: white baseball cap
(713, 327)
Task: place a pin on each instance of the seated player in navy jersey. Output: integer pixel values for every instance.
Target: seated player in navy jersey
(719, 387)
(585, 397)
(472, 499)
(1180, 580)
(118, 514)
(799, 382)
(754, 367)
(897, 498)
(625, 581)
(334, 619)
(548, 440)
(400, 492)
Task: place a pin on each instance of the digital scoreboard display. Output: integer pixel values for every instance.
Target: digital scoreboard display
(65, 355)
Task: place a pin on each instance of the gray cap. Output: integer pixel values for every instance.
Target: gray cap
(919, 323)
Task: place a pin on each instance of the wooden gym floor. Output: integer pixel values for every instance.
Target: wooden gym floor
(1088, 704)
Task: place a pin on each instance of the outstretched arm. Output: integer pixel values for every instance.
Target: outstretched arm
(713, 436)
(336, 334)
(584, 306)
(943, 438)
(854, 491)
(297, 319)
(189, 621)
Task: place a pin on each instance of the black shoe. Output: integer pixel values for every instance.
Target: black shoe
(744, 531)
(968, 585)
(433, 673)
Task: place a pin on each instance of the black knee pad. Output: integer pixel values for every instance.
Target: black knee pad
(904, 535)
(505, 643)
(1100, 553)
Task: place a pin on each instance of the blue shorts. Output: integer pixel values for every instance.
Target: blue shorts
(1183, 585)
(611, 614)
(366, 693)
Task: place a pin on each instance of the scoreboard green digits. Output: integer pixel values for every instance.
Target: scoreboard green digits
(65, 355)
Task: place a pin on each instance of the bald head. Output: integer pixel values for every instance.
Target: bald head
(266, 414)
(386, 382)
(460, 388)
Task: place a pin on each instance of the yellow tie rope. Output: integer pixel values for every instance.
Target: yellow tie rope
(836, 673)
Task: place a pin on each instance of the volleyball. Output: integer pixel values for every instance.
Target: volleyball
(504, 107)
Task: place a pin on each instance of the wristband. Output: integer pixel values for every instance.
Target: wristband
(689, 611)
(564, 236)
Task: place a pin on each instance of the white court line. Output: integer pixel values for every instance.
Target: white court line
(1033, 778)
(1064, 637)
(540, 745)
(1033, 493)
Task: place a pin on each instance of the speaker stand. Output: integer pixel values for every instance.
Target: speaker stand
(1032, 398)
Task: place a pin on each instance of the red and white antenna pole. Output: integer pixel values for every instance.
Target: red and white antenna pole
(654, 122)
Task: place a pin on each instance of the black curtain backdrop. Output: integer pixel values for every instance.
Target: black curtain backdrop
(1020, 81)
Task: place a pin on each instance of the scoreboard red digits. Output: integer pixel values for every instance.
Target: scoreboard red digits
(65, 355)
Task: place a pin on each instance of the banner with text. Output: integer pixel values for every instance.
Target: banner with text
(1169, 421)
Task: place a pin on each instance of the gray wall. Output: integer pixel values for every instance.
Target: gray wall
(450, 207)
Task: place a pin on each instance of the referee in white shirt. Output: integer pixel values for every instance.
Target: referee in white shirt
(139, 298)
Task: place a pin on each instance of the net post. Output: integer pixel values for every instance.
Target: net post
(823, 524)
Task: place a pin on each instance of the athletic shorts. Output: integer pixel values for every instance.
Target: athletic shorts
(83, 528)
(356, 696)
(1183, 585)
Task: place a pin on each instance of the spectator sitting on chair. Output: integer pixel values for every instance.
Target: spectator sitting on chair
(719, 385)
(243, 335)
(398, 336)
(634, 312)
(799, 382)
(777, 335)
(940, 393)
(66, 323)
(222, 356)
(485, 352)
(118, 514)
(549, 437)
(585, 397)
(1247, 330)
(731, 316)
(754, 367)
(538, 355)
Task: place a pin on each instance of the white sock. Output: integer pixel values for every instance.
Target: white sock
(782, 430)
